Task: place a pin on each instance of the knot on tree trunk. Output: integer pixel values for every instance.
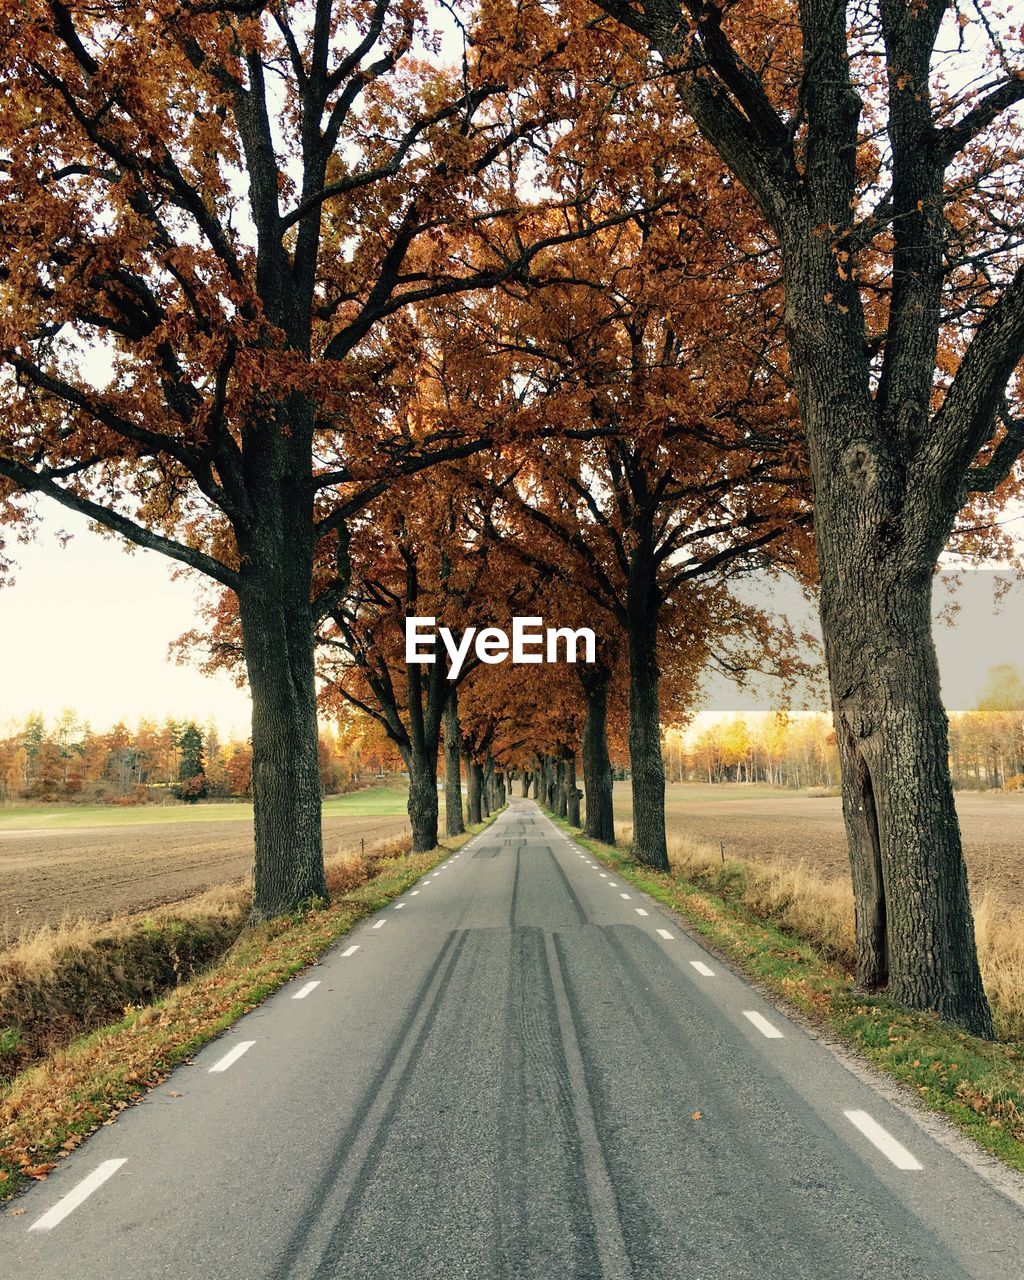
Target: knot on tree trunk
(861, 466)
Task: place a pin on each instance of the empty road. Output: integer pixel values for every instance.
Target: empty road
(520, 1068)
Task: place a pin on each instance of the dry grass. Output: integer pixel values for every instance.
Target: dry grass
(999, 931)
(819, 909)
(59, 983)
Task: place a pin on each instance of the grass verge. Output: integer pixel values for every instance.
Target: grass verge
(48, 1110)
(792, 934)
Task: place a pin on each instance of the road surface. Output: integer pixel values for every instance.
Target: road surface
(521, 1068)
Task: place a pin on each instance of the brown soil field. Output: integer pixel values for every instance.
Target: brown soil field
(99, 872)
(761, 822)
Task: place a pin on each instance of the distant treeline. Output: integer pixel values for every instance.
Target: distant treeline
(66, 760)
(784, 751)
(986, 745)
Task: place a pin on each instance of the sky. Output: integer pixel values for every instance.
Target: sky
(88, 626)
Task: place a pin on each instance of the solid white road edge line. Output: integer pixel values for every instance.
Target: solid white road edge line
(763, 1025)
(304, 991)
(232, 1056)
(701, 967)
(350, 951)
(74, 1198)
(883, 1140)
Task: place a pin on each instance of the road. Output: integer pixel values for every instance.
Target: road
(521, 1068)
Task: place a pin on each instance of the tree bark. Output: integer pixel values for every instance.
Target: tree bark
(597, 767)
(453, 823)
(486, 796)
(646, 764)
(525, 787)
(915, 931)
(572, 792)
(277, 638)
(474, 790)
(422, 806)
(559, 798)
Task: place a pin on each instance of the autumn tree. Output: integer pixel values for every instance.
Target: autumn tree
(213, 217)
(882, 148)
(676, 464)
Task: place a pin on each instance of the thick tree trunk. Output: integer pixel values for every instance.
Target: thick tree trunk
(550, 783)
(277, 638)
(525, 788)
(453, 823)
(486, 773)
(882, 515)
(646, 764)
(560, 805)
(915, 930)
(597, 767)
(474, 789)
(422, 805)
(572, 791)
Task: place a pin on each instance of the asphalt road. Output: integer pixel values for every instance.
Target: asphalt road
(521, 1068)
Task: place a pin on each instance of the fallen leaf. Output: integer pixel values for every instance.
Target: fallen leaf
(696, 1116)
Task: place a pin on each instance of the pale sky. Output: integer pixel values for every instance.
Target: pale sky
(88, 627)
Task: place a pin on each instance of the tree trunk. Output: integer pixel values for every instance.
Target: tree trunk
(560, 799)
(486, 770)
(915, 930)
(277, 639)
(597, 767)
(572, 791)
(474, 789)
(422, 806)
(453, 823)
(525, 788)
(646, 764)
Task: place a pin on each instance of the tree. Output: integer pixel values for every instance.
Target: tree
(682, 470)
(213, 216)
(894, 204)
(192, 764)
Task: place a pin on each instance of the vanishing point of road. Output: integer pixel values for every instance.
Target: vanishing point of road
(521, 1068)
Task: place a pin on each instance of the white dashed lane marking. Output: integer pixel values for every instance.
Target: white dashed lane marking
(640, 911)
(232, 1057)
(380, 924)
(350, 951)
(304, 991)
(76, 1196)
(702, 968)
(763, 1025)
(664, 933)
(883, 1140)
(626, 896)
